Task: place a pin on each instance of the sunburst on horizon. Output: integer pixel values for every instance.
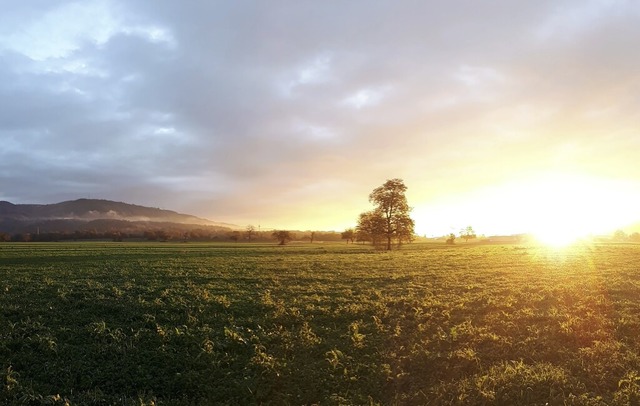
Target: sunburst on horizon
(556, 208)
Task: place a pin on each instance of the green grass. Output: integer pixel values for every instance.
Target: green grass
(174, 324)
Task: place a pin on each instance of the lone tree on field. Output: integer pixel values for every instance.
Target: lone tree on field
(282, 236)
(467, 234)
(389, 221)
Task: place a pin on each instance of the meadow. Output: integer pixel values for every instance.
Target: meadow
(202, 324)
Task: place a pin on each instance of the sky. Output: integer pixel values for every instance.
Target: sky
(509, 116)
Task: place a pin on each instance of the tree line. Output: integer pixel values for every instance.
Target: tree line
(168, 234)
(250, 234)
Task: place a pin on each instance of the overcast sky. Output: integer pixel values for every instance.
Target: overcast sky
(287, 114)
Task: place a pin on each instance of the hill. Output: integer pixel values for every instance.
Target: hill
(94, 213)
(95, 209)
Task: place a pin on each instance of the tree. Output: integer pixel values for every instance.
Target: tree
(451, 239)
(349, 235)
(249, 232)
(467, 234)
(21, 237)
(234, 235)
(389, 222)
(282, 236)
(370, 227)
(620, 235)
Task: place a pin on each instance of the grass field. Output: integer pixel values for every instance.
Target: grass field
(174, 324)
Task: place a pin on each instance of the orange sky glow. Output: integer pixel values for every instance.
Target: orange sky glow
(554, 206)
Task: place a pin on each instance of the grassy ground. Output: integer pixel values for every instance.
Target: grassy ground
(173, 324)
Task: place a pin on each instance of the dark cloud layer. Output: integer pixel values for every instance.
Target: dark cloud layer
(289, 113)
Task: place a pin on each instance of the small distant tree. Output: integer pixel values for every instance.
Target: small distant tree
(349, 235)
(635, 237)
(620, 235)
(467, 234)
(20, 237)
(451, 239)
(282, 236)
(249, 232)
(234, 236)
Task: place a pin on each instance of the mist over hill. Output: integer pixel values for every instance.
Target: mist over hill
(96, 214)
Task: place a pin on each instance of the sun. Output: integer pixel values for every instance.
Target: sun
(560, 224)
(557, 238)
(565, 209)
(555, 208)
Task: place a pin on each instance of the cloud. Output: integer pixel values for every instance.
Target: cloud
(239, 111)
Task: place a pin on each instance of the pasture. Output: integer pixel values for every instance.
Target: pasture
(200, 324)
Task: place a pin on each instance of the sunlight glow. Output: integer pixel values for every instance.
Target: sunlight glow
(556, 208)
(557, 238)
(570, 207)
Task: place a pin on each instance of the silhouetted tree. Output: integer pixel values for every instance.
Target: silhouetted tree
(348, 234)
(234, 236)
(451, 239)
(20, 237)
(370, 228)
(249, 232)
(282, 236)
(163, 236)
(390, 220)
(467, 234)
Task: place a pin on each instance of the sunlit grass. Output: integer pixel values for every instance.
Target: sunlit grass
(181, 324)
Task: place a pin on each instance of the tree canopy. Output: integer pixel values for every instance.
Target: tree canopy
(467, 234)
(283, 236)
(389, 221)
(348, 234)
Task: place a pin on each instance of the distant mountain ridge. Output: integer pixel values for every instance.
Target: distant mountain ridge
(98, 209)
